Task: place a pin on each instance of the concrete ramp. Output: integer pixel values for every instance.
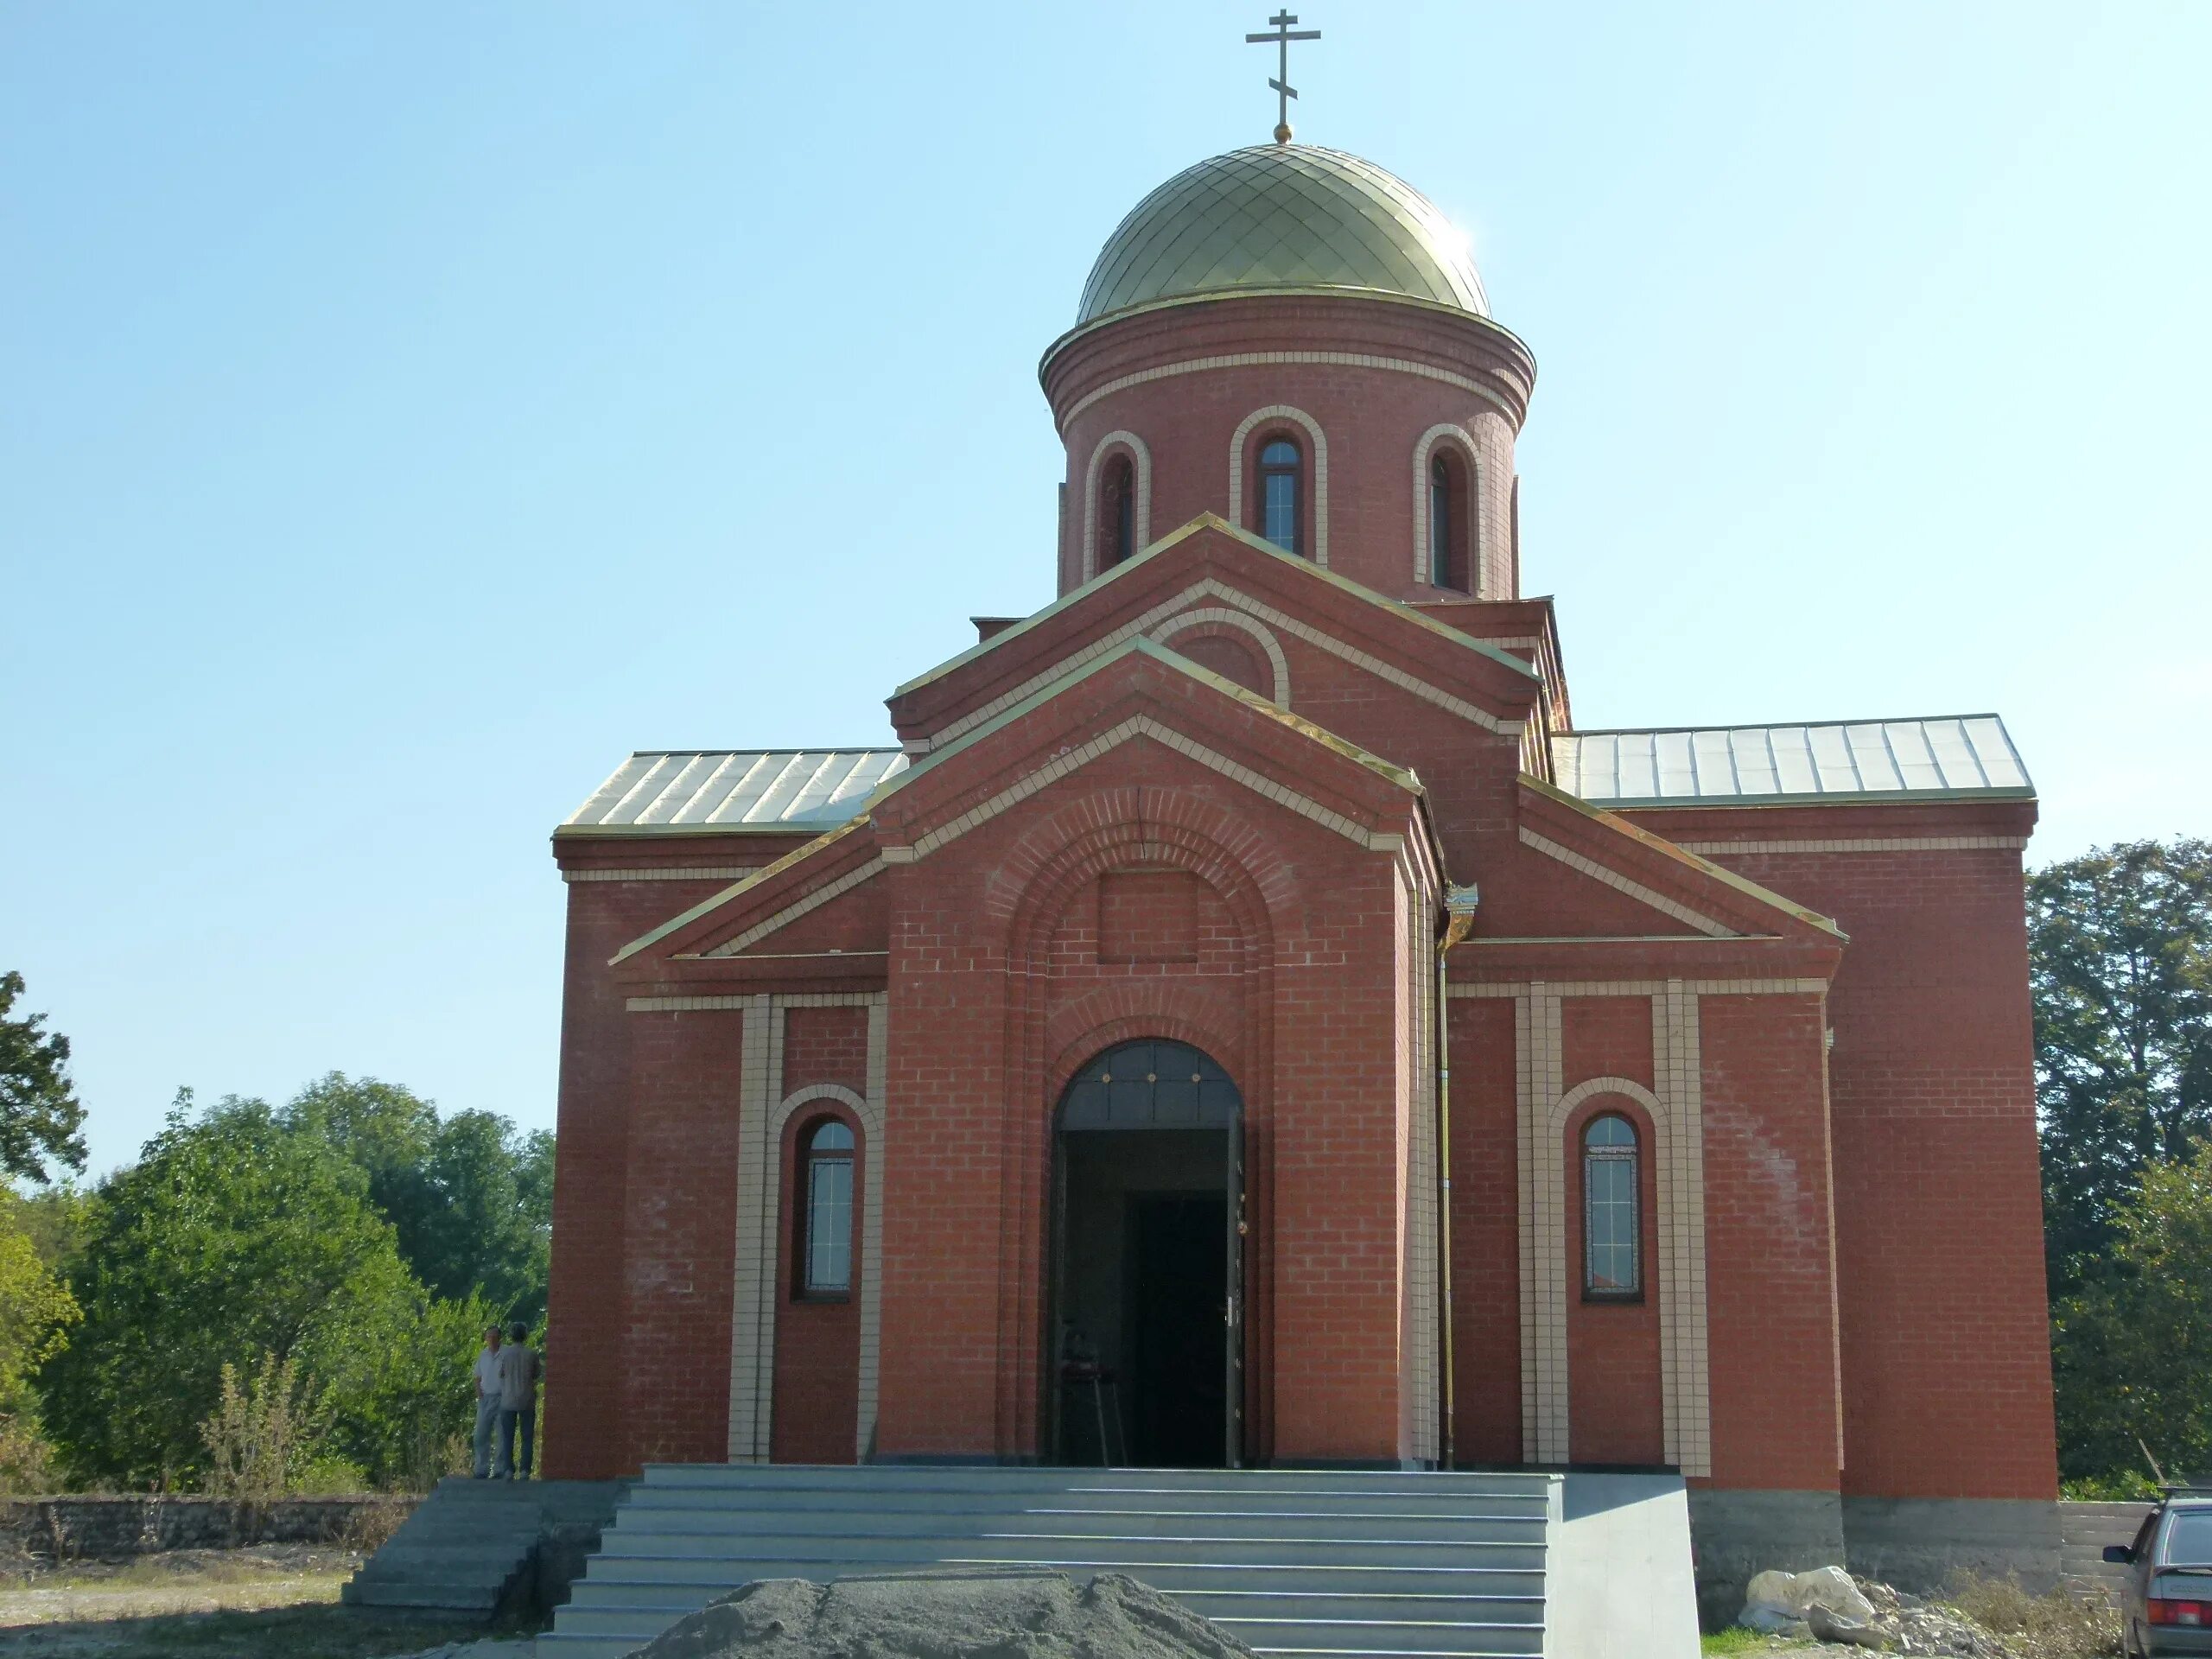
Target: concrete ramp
(1621, 1581)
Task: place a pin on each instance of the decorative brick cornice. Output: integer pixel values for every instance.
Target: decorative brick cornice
(1648, 988)
(1263, 360)
(666, 872)
(1861, 844)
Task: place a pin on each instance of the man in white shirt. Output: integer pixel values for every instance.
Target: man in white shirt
(488, 1381)
(518, 1370)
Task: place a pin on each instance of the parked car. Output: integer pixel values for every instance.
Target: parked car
(2167, 1608)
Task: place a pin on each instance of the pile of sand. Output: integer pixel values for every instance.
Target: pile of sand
(1009, 1615)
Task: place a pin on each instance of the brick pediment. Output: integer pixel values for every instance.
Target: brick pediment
(1209, 575)
(1139, 694)
(1580, 892)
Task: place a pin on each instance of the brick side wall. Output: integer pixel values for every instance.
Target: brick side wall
(1485, 1239)
(1945, 1329)
(586, 1437)
(1768, 1245)
(680, 1237)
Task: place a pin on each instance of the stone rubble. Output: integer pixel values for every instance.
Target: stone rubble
(1844, 1614)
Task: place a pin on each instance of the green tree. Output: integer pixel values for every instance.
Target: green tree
(37, 1309)
(41, 1122)
(470, 1196)
(414, 1399)
(2120, 964)
(235, 1235)
(382, 1127)
(2132, 1342)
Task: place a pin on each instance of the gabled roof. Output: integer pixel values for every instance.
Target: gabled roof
(1130, 569)
(730, 791)
(1638, 845)
(1077, 673)
(759, 879)
(882, 832)
(1957, 757)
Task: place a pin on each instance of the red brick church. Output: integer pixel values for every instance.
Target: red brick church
(1245, 1019)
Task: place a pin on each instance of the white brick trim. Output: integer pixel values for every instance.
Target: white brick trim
(1279, 620)
(1678, 1064)
(1144, 726)
(667, 872)
(1140, 459)
(798, 907)
(1548, 1272)
(751, 1347)
(1256, 360)
(1861, 844)
(1442, 432)
(878, 1010)
(1543, 1241)
(755, 1291)
(1651, 988)
(1636, 890)
(1238, 619)
(1320, 444)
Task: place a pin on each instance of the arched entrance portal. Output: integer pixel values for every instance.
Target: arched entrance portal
(1147, 1261)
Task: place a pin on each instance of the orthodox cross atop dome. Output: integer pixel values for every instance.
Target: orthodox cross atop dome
(1281, 38)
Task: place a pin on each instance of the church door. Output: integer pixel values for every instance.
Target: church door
(1148, 1293)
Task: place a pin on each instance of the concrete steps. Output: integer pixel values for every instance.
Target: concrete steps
(1294, 1561)
(472, 1546)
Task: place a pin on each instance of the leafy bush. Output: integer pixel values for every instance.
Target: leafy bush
(264, 1437)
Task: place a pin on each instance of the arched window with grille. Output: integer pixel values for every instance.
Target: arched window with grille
(825, 1208)
(1612, 1265)
(1117, 511)
(1282, 483)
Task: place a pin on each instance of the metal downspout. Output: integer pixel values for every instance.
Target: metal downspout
(1460, 916)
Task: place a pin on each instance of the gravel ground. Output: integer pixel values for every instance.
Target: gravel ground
(272, 1601)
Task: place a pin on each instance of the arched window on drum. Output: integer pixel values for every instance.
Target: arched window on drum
(1282, 483)
(1450, 523)
(1117, 513)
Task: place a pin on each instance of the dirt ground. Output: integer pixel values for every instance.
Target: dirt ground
(274, 1601)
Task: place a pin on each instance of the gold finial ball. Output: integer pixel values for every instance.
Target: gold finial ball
(1282, 132)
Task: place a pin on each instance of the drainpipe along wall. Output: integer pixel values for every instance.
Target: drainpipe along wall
(1458, 917)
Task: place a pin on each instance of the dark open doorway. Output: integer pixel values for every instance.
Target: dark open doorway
(1177, 1265)
(1146, 1299)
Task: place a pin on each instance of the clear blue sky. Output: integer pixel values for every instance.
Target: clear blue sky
(407, 410)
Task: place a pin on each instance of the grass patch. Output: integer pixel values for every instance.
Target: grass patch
(324, 1631)
(1738, 1638)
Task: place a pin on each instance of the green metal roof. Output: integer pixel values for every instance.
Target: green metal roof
(1283, 216)
(1947, 758)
